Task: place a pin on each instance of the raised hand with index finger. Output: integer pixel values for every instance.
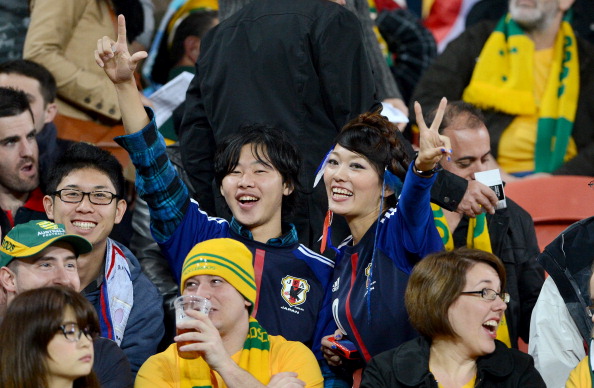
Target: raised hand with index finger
(114, 57)
(432, 146)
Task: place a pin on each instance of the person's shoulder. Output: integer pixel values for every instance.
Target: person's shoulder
(585, 50)
(167, 358)
(408, 362)
(108, 350)
(284, 349)
(504, 359)
(310, 256)
(477, 34)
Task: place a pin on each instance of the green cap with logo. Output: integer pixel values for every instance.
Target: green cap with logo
(26, 240)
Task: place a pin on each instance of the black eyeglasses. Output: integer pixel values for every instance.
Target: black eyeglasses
(76, 196)
(591, 184)
(73, 333)
(489, 294)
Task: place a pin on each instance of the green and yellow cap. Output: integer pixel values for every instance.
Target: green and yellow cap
(26, 240)
(226, 258)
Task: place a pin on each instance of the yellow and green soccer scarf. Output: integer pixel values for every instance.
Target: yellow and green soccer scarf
(503, 80)
(477, 238)
(254, 358)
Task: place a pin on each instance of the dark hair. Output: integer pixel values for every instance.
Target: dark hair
(270, 146)
(26, 68)
(85, 155)
(374, 137)
(196, 23)
(31, 322)
(458, 110)
(13, 102)
(436, 282)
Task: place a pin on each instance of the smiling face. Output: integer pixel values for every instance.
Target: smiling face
(94, 222)
(474, 319)
(254, 192)
(67, 360)
(471, 151)
(18, 154)
(229, 307)
(353, 186)
(55, 265)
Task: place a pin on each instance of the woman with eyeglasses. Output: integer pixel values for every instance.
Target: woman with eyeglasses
(46, 340)
(455, 300)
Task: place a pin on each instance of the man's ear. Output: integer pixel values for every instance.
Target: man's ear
(48, 205)
(50, 112)
(121, 207)
(8, 280)
(287, 189)
(192, 47)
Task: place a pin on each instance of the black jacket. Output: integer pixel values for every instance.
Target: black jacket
(408, 366)
(513, 240)
(451, 72)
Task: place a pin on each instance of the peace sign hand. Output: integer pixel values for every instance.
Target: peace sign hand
(114, 57)
(432, 146)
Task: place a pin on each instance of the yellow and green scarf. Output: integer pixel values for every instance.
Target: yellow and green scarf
(477, 238)
(503, 80)
(254, 358)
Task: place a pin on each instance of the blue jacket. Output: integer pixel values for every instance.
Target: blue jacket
(178, 224)
(368, 288)
(145, 327)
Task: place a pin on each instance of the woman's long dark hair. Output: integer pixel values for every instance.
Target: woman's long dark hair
(31, 321)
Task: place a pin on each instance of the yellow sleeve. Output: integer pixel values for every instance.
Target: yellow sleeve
(580, 376)
(292, 356)
(157, 371)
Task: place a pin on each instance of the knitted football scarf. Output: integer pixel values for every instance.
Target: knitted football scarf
(503, 80)
(117, 294)
(254, 358)
(477, 238)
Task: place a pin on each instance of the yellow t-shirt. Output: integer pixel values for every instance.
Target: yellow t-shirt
(580, 376)
(469, 384)
(162, 370)
(517, 143)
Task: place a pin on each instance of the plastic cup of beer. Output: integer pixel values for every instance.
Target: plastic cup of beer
(183, 304)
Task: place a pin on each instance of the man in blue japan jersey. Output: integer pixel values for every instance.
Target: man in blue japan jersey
(257, 172)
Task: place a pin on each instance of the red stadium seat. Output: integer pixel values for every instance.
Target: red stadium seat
(553, 202)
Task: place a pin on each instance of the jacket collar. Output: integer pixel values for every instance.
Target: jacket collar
(411, 362)
(288, 238)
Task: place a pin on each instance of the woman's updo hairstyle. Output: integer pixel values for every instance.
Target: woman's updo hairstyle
(371, 135)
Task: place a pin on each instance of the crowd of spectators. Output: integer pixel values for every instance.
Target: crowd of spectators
(337, 248)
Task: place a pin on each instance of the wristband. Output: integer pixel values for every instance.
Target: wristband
(425, 174)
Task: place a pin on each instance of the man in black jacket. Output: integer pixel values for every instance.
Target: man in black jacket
(510, 230)
(453, 70)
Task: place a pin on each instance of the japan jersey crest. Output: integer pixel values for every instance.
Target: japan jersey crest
(294, 290)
